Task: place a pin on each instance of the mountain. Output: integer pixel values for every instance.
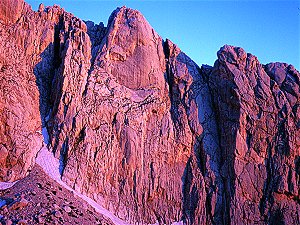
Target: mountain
(140, 128)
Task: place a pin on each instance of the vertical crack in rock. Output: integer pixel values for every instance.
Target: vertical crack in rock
(46, 72)
(189, 94)
(267, 192)
(96, 33)
(190, 194)
(63, 157)
(227, 105)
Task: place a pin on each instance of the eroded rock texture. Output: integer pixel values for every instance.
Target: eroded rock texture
(140, 128)
(19, 109)
(113, 129)
(10, 11)
(256, 108)
(27, 63)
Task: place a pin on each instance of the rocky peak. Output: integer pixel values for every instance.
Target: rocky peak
(132, 51)
(255, 107)
(231, 54)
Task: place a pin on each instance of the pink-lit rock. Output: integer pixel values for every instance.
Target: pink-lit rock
(140, 128)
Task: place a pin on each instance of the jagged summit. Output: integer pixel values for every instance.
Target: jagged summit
(132, 45)
(140, 128)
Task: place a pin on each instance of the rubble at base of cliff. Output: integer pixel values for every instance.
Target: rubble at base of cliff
(37, 199)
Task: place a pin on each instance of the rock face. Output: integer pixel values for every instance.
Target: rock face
(27, 65)
(143, 130)
(118, 132)
(19, 111)
(256, 108)
(132, 51)
(10, 11)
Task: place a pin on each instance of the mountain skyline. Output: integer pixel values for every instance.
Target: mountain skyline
(267, 29)
(130, 125)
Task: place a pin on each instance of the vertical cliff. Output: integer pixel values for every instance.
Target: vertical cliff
(257, 116)
(114, 132)
(24, 38)
(143, 130)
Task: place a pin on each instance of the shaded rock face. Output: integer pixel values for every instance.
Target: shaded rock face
(26, 67)
(143, 130)
(256, 109)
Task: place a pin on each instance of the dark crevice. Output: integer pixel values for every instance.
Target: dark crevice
(63, 156)
(201, 156)
(97, 33)
(269, 184)
(46, 72)
(277, 217)
(134, 185)
(152, 174)
(226, 96)
(297, 165)
(57, 44)
(187, 180)
(289, 180)
(248, 139)
(282, 146)
(173, 90)
(208, 206)
(96, 153)
(248, 131)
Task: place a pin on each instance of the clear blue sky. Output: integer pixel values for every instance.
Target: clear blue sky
(267, 29)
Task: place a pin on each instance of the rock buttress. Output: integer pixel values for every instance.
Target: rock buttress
(257, 116)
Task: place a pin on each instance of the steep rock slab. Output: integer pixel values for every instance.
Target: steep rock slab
(27, 54)
(19, 110)
(19, 115)
(192, 113)
(258, 137)
(119, 139)
(116, 144)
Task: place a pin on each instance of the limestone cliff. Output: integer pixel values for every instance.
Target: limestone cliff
(142, 129)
